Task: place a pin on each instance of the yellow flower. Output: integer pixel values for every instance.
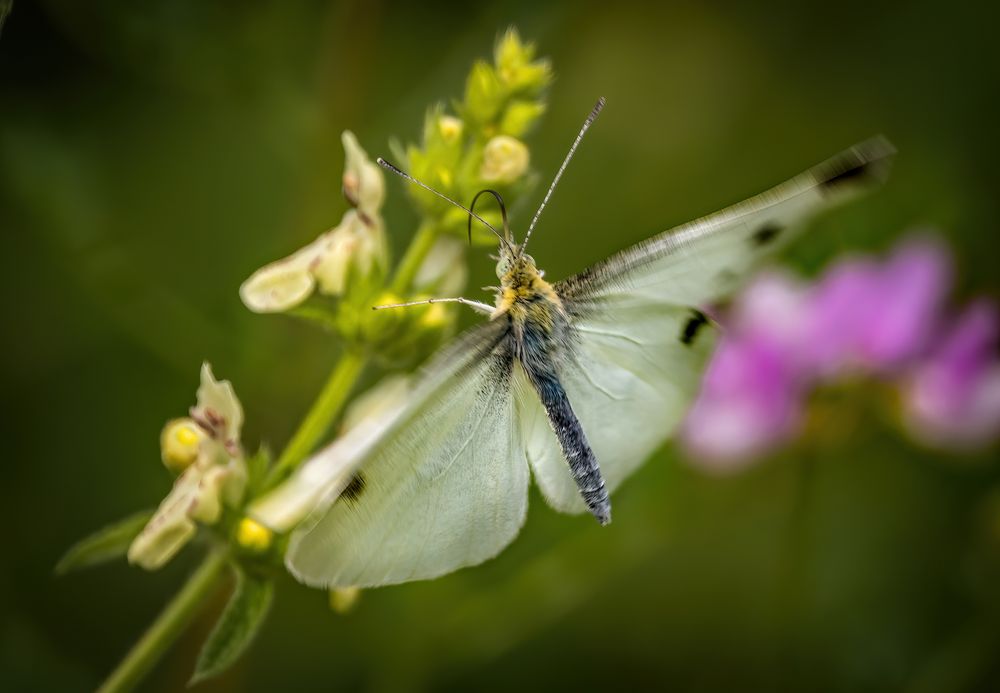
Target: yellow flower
(253, 536)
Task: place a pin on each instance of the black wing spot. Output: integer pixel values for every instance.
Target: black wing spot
(692, 327)
(857, 173)
(862, 165)
(765, 234)
(352, 492)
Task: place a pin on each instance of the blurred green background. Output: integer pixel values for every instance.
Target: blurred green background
(152, 155)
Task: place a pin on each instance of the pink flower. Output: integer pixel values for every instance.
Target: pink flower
(875, 318)
(750, 403)
(863, 317)
(953, 398)
(751, 395)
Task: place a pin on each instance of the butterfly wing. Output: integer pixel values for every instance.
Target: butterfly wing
(706, 259)
(445, 487)
(638, 343)
(630, 377)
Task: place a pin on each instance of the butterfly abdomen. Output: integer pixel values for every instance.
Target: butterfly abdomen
(573, 441)
(539, 348)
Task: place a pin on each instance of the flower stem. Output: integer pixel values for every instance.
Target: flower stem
(174, 618)
(324, 410)
(421, 244)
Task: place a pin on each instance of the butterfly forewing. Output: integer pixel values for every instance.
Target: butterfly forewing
(705, 260)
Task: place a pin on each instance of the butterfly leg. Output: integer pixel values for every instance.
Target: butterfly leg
(475, 305)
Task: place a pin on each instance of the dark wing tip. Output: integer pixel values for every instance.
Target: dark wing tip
(864, 165)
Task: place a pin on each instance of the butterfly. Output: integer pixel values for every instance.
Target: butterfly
(574, 382)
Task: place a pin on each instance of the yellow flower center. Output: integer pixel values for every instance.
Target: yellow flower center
(253, 536)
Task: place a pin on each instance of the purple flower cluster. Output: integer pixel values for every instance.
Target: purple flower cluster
(863, 318)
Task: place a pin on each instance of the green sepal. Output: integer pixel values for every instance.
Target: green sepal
(258, 465)
(106, 544)
(236, 627)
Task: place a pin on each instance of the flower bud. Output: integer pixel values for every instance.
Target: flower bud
(505, 159)
(520, 116)
(515, 66)
(344, 599)
(364, 184)
(253, 536)
(450, 128)
(484, 95)
(180, 443)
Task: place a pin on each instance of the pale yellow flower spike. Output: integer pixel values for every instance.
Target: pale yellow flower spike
(214, 473)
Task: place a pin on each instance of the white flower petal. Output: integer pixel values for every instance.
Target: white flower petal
(170, 527)
(217, 398)
(278, 286)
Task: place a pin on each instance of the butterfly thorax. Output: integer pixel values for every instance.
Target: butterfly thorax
(525, 295)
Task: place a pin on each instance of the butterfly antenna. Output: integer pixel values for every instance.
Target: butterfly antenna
(403, 174)
(503, 213)
(576, 143)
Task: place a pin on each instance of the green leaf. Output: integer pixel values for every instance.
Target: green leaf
(104, 545)
(237, 626)
(5, 8)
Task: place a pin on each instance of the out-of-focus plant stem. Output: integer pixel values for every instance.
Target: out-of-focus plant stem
(171, 622)
(422, 243)
(325, 409)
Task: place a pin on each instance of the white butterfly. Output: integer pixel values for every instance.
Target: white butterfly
(577, 381)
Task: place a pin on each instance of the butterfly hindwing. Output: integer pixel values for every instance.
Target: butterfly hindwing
(630, 375)
(443, 489)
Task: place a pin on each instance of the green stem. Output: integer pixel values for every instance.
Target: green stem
(324, 410)
(421, 244)
(174, 618)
